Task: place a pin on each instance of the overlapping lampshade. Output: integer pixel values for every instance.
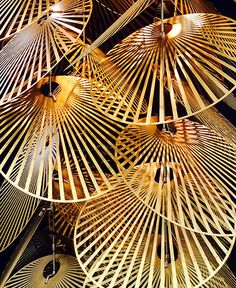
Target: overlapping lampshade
(12, 200)
(62, 227)
(120, 242)
(88, 64)
(84, 142)
(213, 119)
(209, 117)
(32, 275)
(17, 15)
(33, 52)
(193, 6)
(147, 60)
(146, 192)
(224, 278)
(13, 221)
(69, 211)
(185, 173)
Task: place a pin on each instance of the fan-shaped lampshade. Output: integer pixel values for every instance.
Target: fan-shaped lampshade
(13, 221)
(213, 119)
(17, 15)
(119, 242)
(84, 150)
(33, 52)
(186, 174)
(34, 274)
(147, 60)
(193, 6)
(69, 211)
(209, 117)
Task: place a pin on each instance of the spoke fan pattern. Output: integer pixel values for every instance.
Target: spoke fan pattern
(193, 6)
(13, 201)
(17, 15)
(84, 148)
(33, 52)
(121, 243)
(13, 221)
(185, 172)
(32, 275)
(146, 61)
(213, 119)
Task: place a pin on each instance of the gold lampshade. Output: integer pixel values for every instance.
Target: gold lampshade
(186, 173)
(33, 274)
(147, 60)
(33, 52)
(193, 6)
(119, 242)
(18, 15)
(13, 221)
(83, 159)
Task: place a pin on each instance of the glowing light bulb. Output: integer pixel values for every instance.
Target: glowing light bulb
(176, 29)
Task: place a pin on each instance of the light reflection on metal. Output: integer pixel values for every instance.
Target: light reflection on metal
(200, 174)
(137, 64)
(33, 52)
(84, 150)
(119, 242)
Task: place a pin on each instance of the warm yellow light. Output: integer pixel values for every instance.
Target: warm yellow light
(56, 14)
(176, 29)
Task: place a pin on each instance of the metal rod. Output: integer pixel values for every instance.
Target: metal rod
(134, 10)
(163, 57)
(53, 245)
(22, 246)
(167, 254)
(162, 19)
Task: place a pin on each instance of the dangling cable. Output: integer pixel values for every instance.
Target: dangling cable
(50, 87)
(51, 211)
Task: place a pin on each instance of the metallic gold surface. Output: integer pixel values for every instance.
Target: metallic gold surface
(185, 172)
(119, 242)
(84, 141)
(33, 52)
(145, 61)
(16, 15)
(32, 275)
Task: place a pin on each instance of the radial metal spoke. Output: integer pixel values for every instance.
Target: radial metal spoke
(147, 62)
(189, 167)
(119, 242)
(33, 275)
(83, 140)
(32, 53)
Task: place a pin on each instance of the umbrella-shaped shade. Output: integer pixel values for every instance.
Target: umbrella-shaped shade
(16, 15)
(146, 61)
(185, 173)
(33, 52)
(119, 242)
(35, 273)
(84, 148)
